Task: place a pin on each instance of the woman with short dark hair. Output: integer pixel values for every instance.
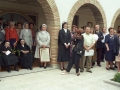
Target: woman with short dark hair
(64, 40)
(19, 27)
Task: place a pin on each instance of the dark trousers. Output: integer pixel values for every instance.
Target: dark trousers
(12, 41)
(103, 52)
(75, 59)
(99, 53)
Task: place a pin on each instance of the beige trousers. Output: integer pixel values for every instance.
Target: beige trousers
(86, 59)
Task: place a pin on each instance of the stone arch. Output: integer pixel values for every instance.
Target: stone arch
(23, 15)
(117, 13)
(96, 9)
(53, 22)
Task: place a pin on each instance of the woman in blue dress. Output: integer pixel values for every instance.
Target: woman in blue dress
(111, 43)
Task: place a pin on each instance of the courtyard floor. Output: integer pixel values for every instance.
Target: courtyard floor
(51, 79)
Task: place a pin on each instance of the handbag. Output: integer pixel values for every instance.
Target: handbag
(78, 50)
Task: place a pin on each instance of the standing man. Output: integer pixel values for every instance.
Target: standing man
(99, 44)
(103, 44)
(88, 44)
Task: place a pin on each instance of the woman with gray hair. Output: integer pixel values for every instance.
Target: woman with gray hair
(26, 35)
(11, 34)
(43, 41)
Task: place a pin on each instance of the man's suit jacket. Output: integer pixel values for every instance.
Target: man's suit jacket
(100, 37)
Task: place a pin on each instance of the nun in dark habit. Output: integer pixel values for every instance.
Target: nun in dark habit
(1, 43)
(26, 57)
(64, 40)
(9, 58)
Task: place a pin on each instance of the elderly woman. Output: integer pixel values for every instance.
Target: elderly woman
(26, 35)
(64, 40)
(8, 57)
(111, 43)
(11, 34)
(26, 58)
(43, 41)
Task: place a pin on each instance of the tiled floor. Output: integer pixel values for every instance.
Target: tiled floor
(51, 79)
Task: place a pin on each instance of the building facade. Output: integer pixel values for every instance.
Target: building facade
(106, 13)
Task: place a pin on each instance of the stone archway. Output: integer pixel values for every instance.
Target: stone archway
(117, 13)
(53, 23)
(96, 9)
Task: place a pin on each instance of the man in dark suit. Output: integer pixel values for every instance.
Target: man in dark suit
(98, 44)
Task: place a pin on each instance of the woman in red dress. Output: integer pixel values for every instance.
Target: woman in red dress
(11, 35)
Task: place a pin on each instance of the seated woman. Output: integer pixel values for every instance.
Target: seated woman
(8, 57)
(26, 58)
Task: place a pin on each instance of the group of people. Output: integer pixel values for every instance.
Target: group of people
(17, 44)
(74, 44)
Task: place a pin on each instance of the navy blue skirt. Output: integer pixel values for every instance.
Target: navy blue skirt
(109, 56)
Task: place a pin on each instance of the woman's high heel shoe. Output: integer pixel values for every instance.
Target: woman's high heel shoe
(107, 69)
(78, 74)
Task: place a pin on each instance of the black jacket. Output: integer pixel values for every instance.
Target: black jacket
(100, 37)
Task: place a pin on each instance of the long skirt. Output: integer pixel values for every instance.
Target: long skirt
(110, 56)
(26, 60)
(1, 62)
(63, 54)
(10, 59)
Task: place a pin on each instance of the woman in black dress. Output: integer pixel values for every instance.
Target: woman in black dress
(1, 60)
(111, 43)
(77, 53)
(9, 58)
(26, 58)
(64, 40)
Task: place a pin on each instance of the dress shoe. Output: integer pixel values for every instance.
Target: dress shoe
(64, 68)
(81, 70)
(112, 68)
(99, 65)
(115, 66)
(16, 69)
(41, 66)
(31, 68)
(9, 71)
(61, 69)
(45, 67)
(89, 71)
(93, 64)
(78, 74)
(107, 69)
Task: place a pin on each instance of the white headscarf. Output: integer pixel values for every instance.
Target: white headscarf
(24, 25)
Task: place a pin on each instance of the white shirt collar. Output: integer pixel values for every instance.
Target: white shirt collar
(65, 30)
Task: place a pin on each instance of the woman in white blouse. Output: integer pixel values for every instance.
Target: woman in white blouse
(43, 41)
